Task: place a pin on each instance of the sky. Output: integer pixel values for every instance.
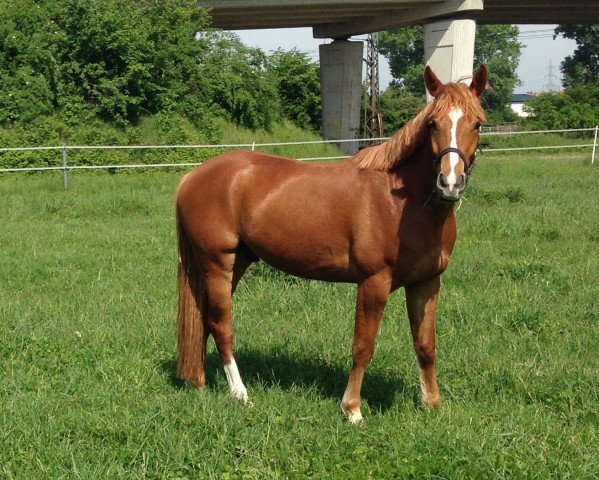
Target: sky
(539, 52)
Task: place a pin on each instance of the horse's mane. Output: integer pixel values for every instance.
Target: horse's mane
(403, 143)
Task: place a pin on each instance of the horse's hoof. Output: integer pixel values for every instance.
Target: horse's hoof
(431, 403)
(242, 396)
(354, 416)
(355, 419)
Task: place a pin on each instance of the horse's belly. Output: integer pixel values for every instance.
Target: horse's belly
(305, 257)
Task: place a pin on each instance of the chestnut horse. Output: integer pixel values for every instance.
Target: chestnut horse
(383, 219)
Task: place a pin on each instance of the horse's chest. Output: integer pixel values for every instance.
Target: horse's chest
(424, 254)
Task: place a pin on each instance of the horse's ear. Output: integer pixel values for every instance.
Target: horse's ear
(433, 84)
(479, 80)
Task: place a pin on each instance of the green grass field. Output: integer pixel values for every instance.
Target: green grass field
(87, 344)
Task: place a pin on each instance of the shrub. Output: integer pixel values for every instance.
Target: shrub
(576, 107)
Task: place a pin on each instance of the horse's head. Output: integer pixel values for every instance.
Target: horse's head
(454, 122)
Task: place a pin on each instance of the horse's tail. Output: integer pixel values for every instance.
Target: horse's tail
(192, 334)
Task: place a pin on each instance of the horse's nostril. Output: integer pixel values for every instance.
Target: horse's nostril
(460, 182)
(443, 181)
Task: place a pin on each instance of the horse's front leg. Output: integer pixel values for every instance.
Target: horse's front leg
(421, 301)
(372, 297)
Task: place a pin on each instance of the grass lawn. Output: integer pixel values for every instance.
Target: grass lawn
(87, 344)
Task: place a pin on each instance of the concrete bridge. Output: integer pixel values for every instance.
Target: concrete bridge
(449, 29)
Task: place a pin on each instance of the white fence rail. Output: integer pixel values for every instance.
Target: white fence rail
(65, 167)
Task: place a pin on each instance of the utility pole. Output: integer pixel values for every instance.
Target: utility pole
(373, 119)
(550, 86)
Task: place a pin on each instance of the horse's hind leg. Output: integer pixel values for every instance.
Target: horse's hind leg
(221, 280)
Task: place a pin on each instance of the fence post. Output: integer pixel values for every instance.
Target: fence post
(65, 170)
(595, 144)
(253, 146)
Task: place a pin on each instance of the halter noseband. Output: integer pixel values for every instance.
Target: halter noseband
(467, 167)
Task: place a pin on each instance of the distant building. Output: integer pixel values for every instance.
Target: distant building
(518, 101)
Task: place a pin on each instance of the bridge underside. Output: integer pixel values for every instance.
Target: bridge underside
(344, 18)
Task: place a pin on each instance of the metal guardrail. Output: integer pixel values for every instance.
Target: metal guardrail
(65, 167)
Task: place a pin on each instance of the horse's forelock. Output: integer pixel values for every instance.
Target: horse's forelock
(457, 95)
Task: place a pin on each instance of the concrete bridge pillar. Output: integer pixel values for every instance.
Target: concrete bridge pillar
(449, 49)
(341, 91)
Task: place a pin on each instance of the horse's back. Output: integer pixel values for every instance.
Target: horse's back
(223, 178)
(223, 193)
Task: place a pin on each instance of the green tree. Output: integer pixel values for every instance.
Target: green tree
(398, 106)
(582, 67)
(297, 81)
(118, 61)
(496, 46)
(26, 62)
(238, 82)
(114, 59)
(404, 50)
(126, 59)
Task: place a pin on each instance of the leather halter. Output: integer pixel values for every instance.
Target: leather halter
(467, 167)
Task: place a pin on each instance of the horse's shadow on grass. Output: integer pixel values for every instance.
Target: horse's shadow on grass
(283, 370)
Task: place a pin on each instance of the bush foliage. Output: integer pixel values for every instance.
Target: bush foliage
(398, 107)
(82, 71)
(576, 107)
(297, 81)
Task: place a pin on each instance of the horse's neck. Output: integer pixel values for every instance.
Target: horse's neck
(417, 173)
(417, 176)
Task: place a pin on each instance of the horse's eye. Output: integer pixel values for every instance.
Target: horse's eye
(477, 126)
(433, 125)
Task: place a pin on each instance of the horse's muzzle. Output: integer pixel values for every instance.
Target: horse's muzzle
(449, 192)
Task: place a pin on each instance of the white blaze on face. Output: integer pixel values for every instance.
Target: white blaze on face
(454, 158)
